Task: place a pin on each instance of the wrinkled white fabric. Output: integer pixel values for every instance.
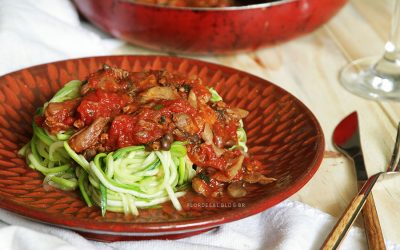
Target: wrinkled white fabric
(288, 225)
(39, 31)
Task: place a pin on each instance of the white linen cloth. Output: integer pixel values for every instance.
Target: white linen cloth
(288, 225)
(39, 31)
(35, 32)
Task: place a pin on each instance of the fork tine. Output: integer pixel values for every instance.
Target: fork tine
(392, 165)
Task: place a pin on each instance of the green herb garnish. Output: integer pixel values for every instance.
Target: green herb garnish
(158, 107)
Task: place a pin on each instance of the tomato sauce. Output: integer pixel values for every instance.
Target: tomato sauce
(60, 115)
(169, 107)
(128, 130)
(101, 103)
(205, 156)
(225, 132)
(106, 80)
(147, 125)
(118, 108)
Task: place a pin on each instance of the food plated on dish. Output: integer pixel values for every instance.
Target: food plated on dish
(282, 134)
(132, 140)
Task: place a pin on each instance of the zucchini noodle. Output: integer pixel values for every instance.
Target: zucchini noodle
(51, 159)
(134, 178)
(242, 138)
(46, 153)
(121, 181)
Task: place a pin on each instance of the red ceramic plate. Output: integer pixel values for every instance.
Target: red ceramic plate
(282, 133)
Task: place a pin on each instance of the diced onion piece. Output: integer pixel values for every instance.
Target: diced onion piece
(234, 169)
(218, 151)
(192, 99)
(207, 134)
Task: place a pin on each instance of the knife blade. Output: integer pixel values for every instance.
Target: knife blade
(346, 138)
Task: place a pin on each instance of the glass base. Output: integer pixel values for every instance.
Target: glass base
(360, 78)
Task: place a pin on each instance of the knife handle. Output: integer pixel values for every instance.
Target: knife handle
(343, 225)
(372, 226)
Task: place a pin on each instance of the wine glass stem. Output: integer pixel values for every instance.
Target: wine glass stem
(390, 62)
(393, 43)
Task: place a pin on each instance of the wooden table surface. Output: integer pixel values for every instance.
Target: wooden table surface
(308, 68)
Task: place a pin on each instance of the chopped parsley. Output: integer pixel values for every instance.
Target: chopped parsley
(158, 107)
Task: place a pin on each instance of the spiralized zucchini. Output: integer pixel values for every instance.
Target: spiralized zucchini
(242, 138)
(46, 154)
(120, 181)
(134, 178)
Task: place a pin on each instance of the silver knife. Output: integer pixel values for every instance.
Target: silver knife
(346, 138)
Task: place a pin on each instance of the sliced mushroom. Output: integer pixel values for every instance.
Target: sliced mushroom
(231, 172)
(234, 169)
(207, 136)
(257, 178)
(53, 108)
(55, 112)
(184, 123)
(238, 113)
(109, 79)
(200, 186)
(236, 189)
(88, 136)
(130, 108)
(158, 93)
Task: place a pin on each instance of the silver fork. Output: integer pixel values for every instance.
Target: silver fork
(350, 214)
